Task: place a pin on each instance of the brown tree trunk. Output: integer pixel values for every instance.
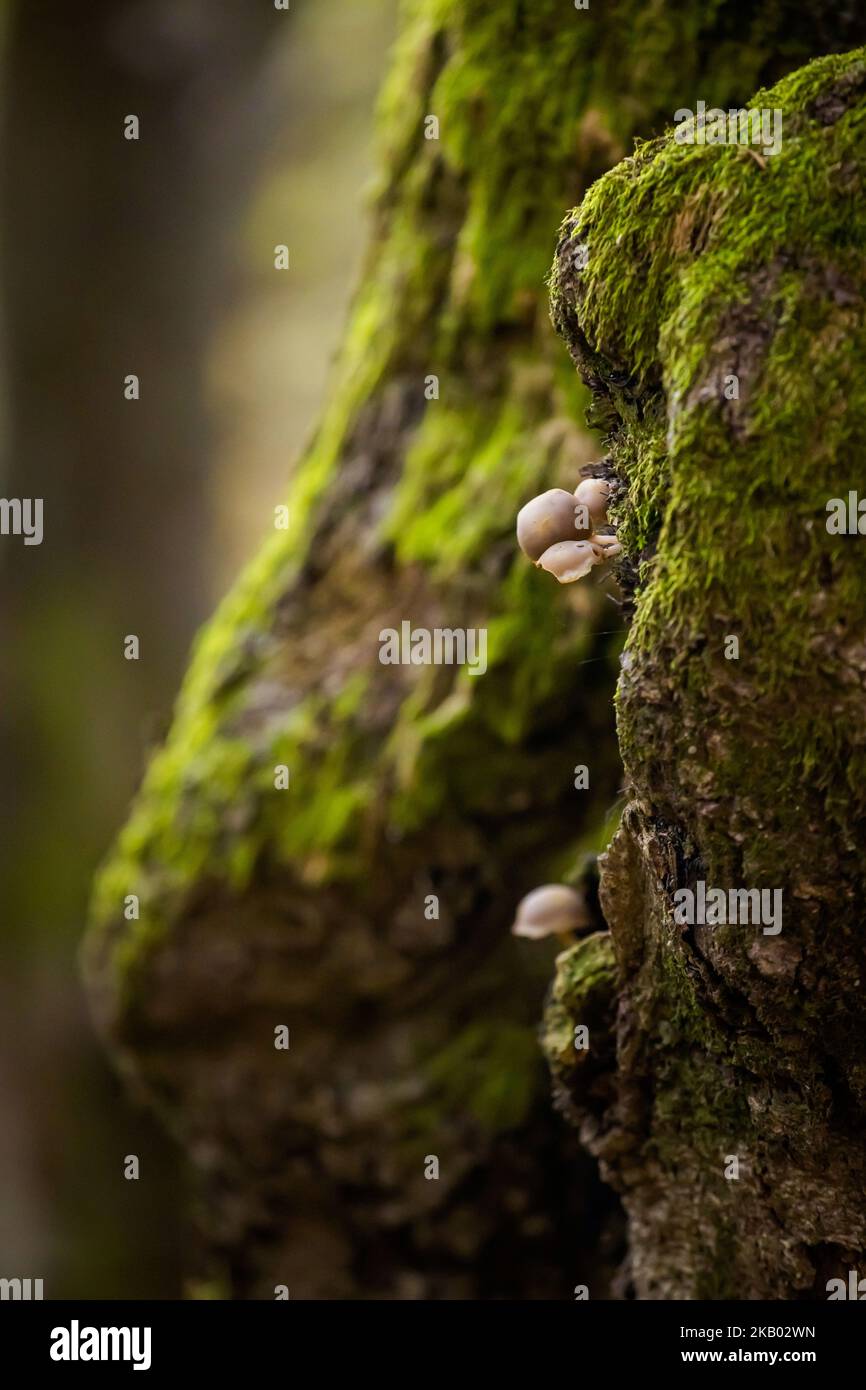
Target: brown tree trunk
(411, 1034)
(724, 1088)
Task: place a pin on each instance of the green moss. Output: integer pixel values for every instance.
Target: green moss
(717, 1274)
(530, 110)
(684, 1019)
(695, 1106)
(701, 267)
(581, 994)
(690, 250)
(585, 967)
(490, 1071)
(444, 276)
(464, 475)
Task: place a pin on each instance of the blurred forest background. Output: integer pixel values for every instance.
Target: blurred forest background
(153, 257)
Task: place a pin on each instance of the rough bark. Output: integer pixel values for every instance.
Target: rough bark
(713, 1041)
(409, 1037)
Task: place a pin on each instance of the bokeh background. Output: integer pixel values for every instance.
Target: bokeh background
(152, 257)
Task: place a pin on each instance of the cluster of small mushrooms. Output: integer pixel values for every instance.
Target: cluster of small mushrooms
(561, 533)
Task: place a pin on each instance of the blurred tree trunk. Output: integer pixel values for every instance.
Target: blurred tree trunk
(411, 1034)
(115, 259)
(724, 1088)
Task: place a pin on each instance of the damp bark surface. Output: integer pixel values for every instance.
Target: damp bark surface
(413, 1035)
(719, 320)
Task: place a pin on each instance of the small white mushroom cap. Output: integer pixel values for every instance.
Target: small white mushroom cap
(552, 910)
(548, 518)
(593, 493)
(570, 560)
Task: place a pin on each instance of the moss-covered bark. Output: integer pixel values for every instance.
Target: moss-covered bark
(705, 263)
(306, 907)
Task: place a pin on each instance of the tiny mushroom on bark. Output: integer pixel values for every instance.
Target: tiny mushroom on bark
(570, 560)
(552, 910)
(558, 530)
(547, 519)
(593, 493)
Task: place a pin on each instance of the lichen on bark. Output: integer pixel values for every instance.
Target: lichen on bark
(706, 264)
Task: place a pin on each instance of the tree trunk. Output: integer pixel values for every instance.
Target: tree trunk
(719, 319)
(411, 1034)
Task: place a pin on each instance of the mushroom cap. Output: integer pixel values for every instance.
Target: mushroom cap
(548, 518)
(552, 910)
(593, 493)
(570, 560)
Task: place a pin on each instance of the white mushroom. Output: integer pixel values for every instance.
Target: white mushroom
(609, 545)
(593, 493)
(570, 560)
(552, 910)
(548, 518)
